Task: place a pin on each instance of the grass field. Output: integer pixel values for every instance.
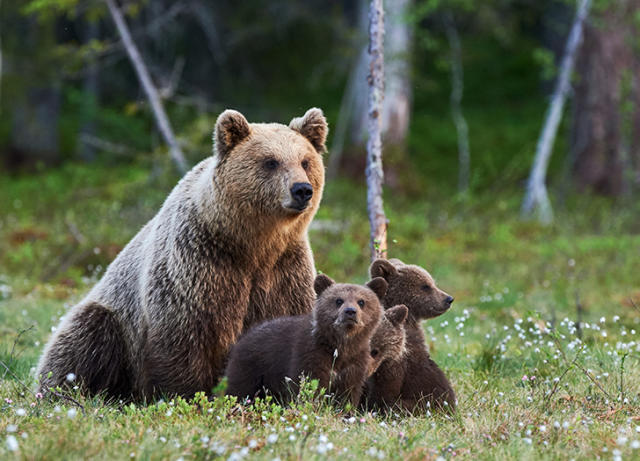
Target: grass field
(531, 384)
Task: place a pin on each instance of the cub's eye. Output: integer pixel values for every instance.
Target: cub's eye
(374, 353)
(339, 302)
(305, 164)
(271, 164)
(360, 303)
(426, 288)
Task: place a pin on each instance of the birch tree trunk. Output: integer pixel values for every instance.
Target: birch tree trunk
(457, 88)
(374, 172)
(145, 80)
(536, 194)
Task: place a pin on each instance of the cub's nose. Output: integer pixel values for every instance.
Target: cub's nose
(449, 300)
(302, 192)
(349, 312)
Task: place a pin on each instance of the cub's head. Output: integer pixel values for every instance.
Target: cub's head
(412, 286)
(344, 310)
(388, 341)
(269, 169)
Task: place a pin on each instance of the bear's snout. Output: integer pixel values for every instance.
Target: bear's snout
(301, 193)
(350, 313)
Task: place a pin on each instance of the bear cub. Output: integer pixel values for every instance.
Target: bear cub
(331, 344)
(414, 383)
(389, 340)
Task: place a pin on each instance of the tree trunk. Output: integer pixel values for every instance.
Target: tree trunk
(397, 94)
(536, 195)
(145, 80)
(457, 88)
(606, 120)
(377, 218)
(91, 96)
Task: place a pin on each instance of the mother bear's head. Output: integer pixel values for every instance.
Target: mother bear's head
(269, 169)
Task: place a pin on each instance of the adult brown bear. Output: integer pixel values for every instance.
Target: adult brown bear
(228, 249)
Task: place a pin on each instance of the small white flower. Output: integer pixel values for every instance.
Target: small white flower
(12, 443)
(527, 440)
(272, 438)
(253, 443)
(12, 428)
(21, 412)
(71, 413)
(71, 377)
(323, 438)
(622, 440)
(543, 428)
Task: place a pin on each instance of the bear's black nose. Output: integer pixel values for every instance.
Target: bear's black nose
(449, 299)
(302, 192)
(349, 312)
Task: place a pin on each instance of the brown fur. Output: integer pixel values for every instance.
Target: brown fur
(414, 383)
(326, 345)
(228, 249)
(389, 340)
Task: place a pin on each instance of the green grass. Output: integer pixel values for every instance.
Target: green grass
(515, 285)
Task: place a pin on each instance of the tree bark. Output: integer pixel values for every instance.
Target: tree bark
(397, 107)
(374, 172)
(457, 89)
(90, 88)
(145, 80)
(536, 194)
(604, 138)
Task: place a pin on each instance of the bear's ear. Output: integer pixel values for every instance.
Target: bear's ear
(397, 315)
(382, 268)
(321, 283)
(379, 286)
(231, 128)
(396, 262)
(313, 126)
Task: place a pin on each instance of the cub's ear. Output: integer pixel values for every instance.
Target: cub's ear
(231, 128)
(382, 268)
(321, 283)
(313, 126)
(379, 286)
(397, 315)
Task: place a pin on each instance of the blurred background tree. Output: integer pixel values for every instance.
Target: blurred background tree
(460, 73)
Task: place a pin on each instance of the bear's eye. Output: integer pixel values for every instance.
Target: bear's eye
(305, 164)
(374, 353)
(271, 164)
(339, 302)
(361, 303)
(426, 288)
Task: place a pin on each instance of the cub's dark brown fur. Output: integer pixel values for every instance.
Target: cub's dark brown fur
(389, 340)
(414, 383)
(332, 345)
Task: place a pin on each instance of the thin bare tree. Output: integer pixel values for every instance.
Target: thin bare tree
(374, 172)
(457, 89)
(159, 114)
(536, 195)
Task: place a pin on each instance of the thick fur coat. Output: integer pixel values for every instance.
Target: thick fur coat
(414, 383)
(332, 345)
(228, 249)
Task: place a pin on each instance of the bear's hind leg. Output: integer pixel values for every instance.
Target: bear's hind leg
(90, 351)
